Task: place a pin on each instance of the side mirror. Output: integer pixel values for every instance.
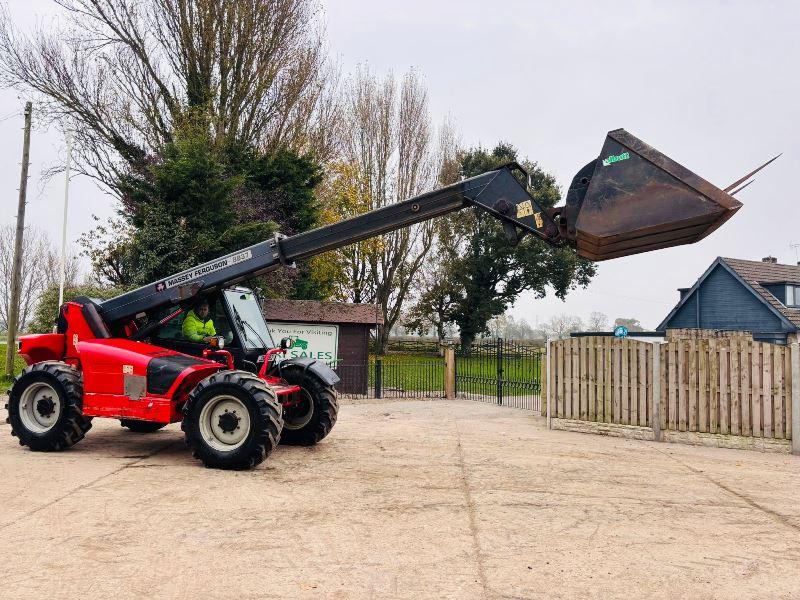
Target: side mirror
(287, 343)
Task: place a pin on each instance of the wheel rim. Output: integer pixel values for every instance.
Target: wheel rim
(224, 423)
(39, 407)
(299, 415)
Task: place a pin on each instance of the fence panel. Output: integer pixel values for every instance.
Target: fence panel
(602, 379)
(728, 386)
(713, 385)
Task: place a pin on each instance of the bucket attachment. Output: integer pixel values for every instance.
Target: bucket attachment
(634, 199)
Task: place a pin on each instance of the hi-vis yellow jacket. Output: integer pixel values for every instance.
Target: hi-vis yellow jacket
(195, 329)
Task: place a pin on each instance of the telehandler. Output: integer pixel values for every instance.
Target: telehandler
(238, 397)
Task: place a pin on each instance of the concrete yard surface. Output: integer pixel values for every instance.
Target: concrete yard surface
(405, 499)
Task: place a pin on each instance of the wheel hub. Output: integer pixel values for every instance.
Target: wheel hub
(229, 421)
(300, 412)
(224, 422)
(39, 407)
(45, 406)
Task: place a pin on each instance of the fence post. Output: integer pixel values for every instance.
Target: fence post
(378, 378)
(655, 412)
(449, 373)
(795, 360)
(499, 370)
(547, 374)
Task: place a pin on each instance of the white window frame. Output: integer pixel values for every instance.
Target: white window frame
(792, 293)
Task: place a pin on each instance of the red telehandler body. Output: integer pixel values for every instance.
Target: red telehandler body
(238, 397)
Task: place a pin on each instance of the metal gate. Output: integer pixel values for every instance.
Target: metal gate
(394, 376)
(502, 372)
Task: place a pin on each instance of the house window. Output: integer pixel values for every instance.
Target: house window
(793, 295)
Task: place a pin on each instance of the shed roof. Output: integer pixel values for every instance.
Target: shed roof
(312, 311)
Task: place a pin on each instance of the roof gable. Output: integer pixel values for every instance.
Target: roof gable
(759, 292)
(756, 273)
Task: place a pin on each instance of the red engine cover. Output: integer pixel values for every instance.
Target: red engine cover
(127, 379)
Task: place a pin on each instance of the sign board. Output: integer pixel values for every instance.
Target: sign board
(620, 331)
(312, 341)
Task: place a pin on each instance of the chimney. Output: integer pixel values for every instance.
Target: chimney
(683, 292)
(769, 259)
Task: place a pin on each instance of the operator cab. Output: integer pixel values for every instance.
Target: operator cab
(237, 319)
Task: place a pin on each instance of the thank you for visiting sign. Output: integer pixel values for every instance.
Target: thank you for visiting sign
(312, 341)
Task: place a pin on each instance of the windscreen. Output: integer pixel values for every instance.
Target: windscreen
(248, 319)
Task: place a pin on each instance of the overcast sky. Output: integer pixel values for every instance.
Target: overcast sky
(714, 85)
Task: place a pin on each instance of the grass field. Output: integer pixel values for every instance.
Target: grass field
(19, 364)
(475, 374)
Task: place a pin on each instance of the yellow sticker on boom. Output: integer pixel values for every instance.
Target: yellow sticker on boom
(524, 209)
(539, 221)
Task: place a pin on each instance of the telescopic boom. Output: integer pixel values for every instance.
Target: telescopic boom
(498, 191)
(631, 199)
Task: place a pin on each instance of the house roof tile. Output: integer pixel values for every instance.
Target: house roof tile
(756, 273)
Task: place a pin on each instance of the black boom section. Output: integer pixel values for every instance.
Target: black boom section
(227, 270)
(162, 371)
(498, 191)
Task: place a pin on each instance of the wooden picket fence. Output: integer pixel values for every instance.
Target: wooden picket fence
(728, 386)
(602, 379)
(721, 385)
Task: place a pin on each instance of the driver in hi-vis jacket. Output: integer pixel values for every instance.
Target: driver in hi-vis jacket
(198, 326)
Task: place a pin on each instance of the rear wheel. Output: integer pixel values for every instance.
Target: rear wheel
(44, 407)
(314, 413)
(232, 420)
(141, 426)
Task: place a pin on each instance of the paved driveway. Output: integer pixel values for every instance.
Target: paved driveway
(405, 499)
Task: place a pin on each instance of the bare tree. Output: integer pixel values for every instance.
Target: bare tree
(560, 326)
(631, 324)
(597, 322)
(41, 269)
(388, 136)
(125, 72)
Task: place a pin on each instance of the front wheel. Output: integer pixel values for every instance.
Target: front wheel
(313, 414)
(44, 407)
(232, 420)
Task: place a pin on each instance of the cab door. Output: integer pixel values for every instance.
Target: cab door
(171, 334)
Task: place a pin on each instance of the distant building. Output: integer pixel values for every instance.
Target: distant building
(334, 332)
(742, 295)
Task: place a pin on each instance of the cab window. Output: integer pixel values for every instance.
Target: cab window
(173, 330)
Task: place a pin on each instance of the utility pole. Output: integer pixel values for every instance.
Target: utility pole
(16, 272)
(64, 226)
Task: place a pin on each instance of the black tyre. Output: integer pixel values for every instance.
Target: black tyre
(232, 420)
(313, 417)
(44, 407)
(141, 426)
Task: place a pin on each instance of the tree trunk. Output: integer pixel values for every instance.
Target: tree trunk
(381, 340)
(467, 338)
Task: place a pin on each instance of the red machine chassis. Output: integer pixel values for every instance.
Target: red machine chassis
(126, 379)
